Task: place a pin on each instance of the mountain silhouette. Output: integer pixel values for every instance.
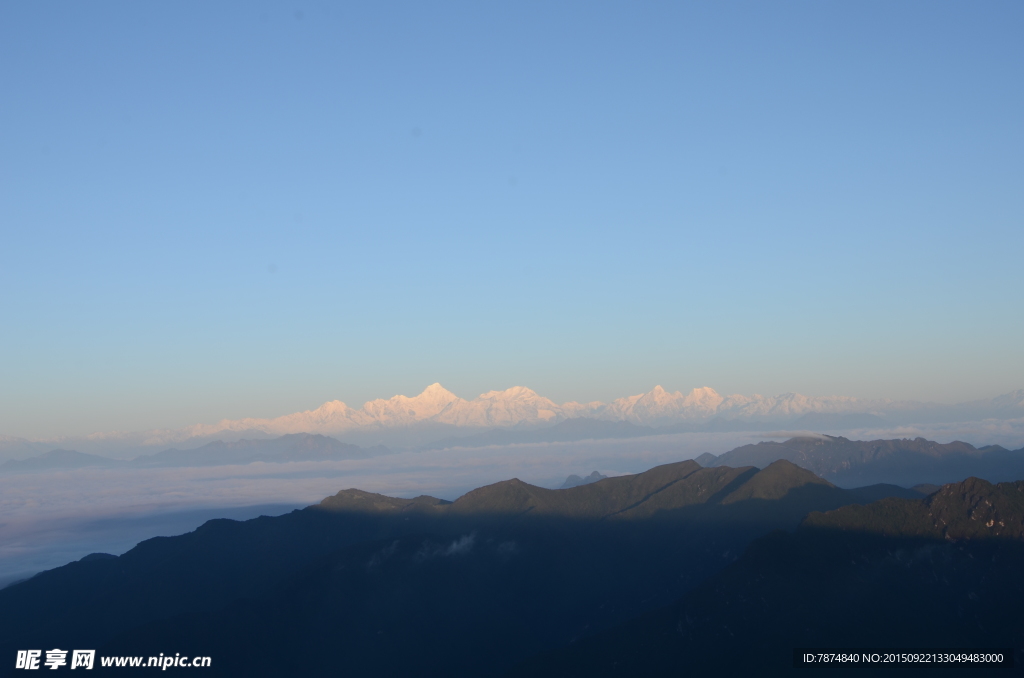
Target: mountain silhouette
(370, 584)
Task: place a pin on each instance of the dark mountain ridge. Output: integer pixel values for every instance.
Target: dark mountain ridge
(395, 585)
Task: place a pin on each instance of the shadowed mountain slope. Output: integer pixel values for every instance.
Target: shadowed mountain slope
(972, 509)
(939, 572)
(420, 585)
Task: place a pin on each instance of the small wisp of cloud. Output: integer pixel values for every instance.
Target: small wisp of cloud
(460, 547)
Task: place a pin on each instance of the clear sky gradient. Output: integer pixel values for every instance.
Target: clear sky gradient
(217, 210)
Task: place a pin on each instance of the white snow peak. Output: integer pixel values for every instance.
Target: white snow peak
(519, 405)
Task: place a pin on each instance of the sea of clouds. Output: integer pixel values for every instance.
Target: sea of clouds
(50, 518)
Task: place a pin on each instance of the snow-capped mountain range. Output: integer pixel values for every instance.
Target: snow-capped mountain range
(519, 407)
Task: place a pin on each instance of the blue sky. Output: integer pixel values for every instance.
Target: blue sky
(246, 209)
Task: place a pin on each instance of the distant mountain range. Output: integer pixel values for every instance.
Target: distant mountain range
(437, 413)
(389, 586)
(851, 463)
(58, 459)
(847, 463)
(568, 430)
(576, 481)
(291, 447)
